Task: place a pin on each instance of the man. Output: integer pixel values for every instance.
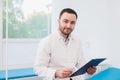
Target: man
(60, 54)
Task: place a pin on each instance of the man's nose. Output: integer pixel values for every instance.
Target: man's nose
(68, 25)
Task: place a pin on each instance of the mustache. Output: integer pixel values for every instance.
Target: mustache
(68, 28)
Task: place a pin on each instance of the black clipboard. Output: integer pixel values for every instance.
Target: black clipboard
(83, 69)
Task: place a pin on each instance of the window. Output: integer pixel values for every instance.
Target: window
(27, 18)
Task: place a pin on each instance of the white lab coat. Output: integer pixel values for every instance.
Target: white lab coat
(54, 54)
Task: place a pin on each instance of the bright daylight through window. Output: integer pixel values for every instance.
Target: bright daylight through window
(27, 18)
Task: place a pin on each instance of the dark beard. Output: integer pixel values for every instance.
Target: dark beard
(67, 34)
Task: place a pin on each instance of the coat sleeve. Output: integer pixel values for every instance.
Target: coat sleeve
(42, 60)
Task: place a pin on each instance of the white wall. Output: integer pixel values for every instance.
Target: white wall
(20, 52)
(98, 27)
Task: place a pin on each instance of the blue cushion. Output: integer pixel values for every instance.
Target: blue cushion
(108, 74)
(17, 73)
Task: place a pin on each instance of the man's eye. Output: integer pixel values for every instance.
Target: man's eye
(65, 21)
(72, 22)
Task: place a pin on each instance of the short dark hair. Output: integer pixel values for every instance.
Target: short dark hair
(68, 10)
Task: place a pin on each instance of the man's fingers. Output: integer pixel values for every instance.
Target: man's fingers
(63, 73)
(67, 72)
(91, 70)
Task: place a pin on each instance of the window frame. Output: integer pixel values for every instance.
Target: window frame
(1, 33)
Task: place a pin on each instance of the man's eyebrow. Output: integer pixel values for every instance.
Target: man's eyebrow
(65, 19)
(69, 20)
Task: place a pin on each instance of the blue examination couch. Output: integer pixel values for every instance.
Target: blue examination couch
(108, 74)
(111, 73)
(17, 73)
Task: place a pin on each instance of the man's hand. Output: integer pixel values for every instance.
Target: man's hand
(63, 73)
(91, 70)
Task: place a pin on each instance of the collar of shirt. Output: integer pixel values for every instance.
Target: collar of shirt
(70, 37)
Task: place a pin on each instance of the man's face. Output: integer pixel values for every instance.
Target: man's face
(67, 23)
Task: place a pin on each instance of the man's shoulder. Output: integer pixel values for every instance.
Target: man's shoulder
(49, 37)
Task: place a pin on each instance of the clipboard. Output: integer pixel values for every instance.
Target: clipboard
(83, 69)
